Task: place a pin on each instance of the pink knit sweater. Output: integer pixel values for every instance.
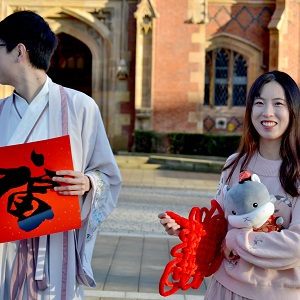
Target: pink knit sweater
(269, 263)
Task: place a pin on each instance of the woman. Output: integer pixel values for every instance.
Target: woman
(260, 265)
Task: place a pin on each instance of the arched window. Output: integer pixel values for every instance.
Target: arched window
(225, 78)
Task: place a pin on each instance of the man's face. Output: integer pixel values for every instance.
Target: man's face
(7, 64)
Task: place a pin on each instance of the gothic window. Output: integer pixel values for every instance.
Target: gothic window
(225, 78)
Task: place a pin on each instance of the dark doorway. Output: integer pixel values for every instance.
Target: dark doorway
(71, 64)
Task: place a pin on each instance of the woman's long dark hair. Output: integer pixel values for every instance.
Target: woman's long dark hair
(289, 173)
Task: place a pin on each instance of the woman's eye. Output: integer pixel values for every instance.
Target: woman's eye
(279, 103)
(257, 102)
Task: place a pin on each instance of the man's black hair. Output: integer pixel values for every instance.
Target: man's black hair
(33, 31)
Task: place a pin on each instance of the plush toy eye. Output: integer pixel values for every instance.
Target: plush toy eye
(233, 212)
(255, 205)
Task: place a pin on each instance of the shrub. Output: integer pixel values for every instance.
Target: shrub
(185, 143)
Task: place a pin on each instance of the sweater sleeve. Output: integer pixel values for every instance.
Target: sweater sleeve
(219, 194)
(273, 250)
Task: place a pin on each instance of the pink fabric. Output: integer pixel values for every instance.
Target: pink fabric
(24, 269)
(268, 266)
(19, 273)
(64, 111)
(216, 291)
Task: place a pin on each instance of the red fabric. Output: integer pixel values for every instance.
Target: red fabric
(269, 225)
(244, 175)
(199, 255)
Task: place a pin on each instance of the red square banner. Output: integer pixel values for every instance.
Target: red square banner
(29, 206)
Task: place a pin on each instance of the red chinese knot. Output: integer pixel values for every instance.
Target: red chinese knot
(199, 255)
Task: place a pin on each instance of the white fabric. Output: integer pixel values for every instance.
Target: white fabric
(90, 152)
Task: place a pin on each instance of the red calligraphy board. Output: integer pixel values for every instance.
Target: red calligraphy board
(29, 206)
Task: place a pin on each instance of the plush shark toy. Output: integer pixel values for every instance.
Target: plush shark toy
(249, 204)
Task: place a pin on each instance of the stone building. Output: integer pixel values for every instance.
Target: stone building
(168, 65)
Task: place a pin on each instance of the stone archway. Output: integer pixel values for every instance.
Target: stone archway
(100, 32)
(87, 31)
(71, 64)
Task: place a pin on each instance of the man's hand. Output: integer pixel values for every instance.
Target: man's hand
(73, 182)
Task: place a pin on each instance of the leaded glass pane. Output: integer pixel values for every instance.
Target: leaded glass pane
(221, 77)
(239, 81)
(221, 92)
(207, 79)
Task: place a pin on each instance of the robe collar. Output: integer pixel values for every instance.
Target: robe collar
(46, 102)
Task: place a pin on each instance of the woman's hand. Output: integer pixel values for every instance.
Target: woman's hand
(171, 227)
(74, 183)
(230, 255)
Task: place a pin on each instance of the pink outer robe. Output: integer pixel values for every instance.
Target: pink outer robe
(92, 155)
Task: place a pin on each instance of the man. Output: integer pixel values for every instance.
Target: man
(54, 266)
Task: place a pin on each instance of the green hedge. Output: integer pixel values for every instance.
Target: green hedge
(185, 143)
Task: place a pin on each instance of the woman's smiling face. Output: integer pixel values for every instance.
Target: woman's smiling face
(270, 114)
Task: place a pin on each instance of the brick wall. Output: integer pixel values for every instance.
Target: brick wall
(248, 22)
(172, 68)
(289, 43)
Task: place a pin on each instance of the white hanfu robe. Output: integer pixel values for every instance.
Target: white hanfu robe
(92, 155)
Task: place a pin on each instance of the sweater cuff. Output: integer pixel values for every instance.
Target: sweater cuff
(231, 238)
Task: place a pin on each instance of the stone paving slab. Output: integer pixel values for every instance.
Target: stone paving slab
(130, 267)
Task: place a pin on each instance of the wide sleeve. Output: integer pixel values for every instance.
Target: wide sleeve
(97, 160)
(97, 152)
(102, 202)
(100, 166)
(272, 250)
(94, 157)
(97, 206)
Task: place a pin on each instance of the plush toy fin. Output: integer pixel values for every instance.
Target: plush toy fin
(254, 177)
(226, 188)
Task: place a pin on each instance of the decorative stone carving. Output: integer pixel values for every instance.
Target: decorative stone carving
(144, 15)
(197, 11)
(122, 71)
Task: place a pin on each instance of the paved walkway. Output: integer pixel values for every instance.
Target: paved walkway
(128, 265)
(170, 179)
